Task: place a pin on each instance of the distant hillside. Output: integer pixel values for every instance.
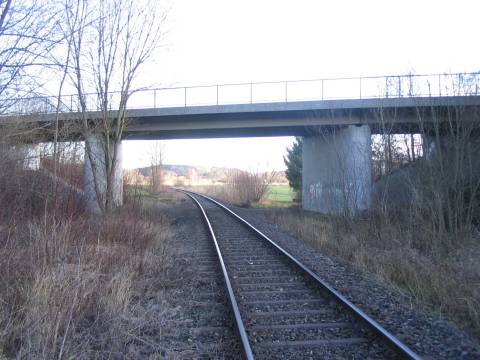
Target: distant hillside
(198, 174)
(185, 170)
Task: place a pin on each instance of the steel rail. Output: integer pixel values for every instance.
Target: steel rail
(247, 350)
(395, 344)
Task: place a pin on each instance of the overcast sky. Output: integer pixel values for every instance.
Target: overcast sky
(222, 41)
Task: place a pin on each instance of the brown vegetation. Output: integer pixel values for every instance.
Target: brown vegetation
(66, 169)
(71, 284)
(245, 188)
(242, 188)
(442, 278)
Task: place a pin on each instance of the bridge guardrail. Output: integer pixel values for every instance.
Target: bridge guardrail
(391, 86)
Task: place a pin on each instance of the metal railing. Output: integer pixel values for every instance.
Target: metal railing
(392, 86)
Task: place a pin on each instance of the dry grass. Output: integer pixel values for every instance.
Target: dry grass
(442, 278)
(71, 285)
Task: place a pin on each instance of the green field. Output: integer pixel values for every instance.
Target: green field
(278, 196)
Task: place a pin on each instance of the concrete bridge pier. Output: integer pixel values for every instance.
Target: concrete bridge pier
(337, 174)
(98, 154)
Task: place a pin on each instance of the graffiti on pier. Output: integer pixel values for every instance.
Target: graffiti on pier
(315, 190)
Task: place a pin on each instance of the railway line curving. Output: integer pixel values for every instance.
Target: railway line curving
(281, 307)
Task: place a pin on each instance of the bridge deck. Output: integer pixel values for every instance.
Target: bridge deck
(272, 108)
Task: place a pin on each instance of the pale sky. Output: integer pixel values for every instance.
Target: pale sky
(224, 41)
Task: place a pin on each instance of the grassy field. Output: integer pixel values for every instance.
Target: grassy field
(278, 196)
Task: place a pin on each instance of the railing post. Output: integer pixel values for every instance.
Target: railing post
(322, 90)
(410, 86)
(286, 91)
(459, 82)
(251, 93)
(155, 98)
(217, 94)
(360, 85)
(439, 84)
(185, 96)
(71, 102)
(399, 87)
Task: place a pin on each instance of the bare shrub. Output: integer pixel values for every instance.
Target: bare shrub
(391, 152)
(156, 161)
(438, 194)
(68, 165)
(440, 189)
(68, 285)
(433, 279)
(429, 208)
(246, 187)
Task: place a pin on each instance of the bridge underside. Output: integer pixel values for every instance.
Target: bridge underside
(171, 134)
(398, 115)
(292, 119)
(337, 152)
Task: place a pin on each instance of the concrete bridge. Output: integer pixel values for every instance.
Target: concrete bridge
(337, 121)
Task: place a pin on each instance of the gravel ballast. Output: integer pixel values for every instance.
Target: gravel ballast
(430, 337)
(188, 308)
(202, 326)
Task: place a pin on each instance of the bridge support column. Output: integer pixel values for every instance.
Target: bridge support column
(97, 166)
(337, 175)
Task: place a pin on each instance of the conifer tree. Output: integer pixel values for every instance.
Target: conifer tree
(293, 161)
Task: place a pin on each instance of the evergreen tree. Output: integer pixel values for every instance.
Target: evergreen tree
(293, 161)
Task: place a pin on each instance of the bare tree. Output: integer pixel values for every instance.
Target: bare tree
(113, 40)
(438, 189)
(156, 162)
(26, 37)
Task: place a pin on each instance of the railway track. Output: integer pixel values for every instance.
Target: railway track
(281, 308)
